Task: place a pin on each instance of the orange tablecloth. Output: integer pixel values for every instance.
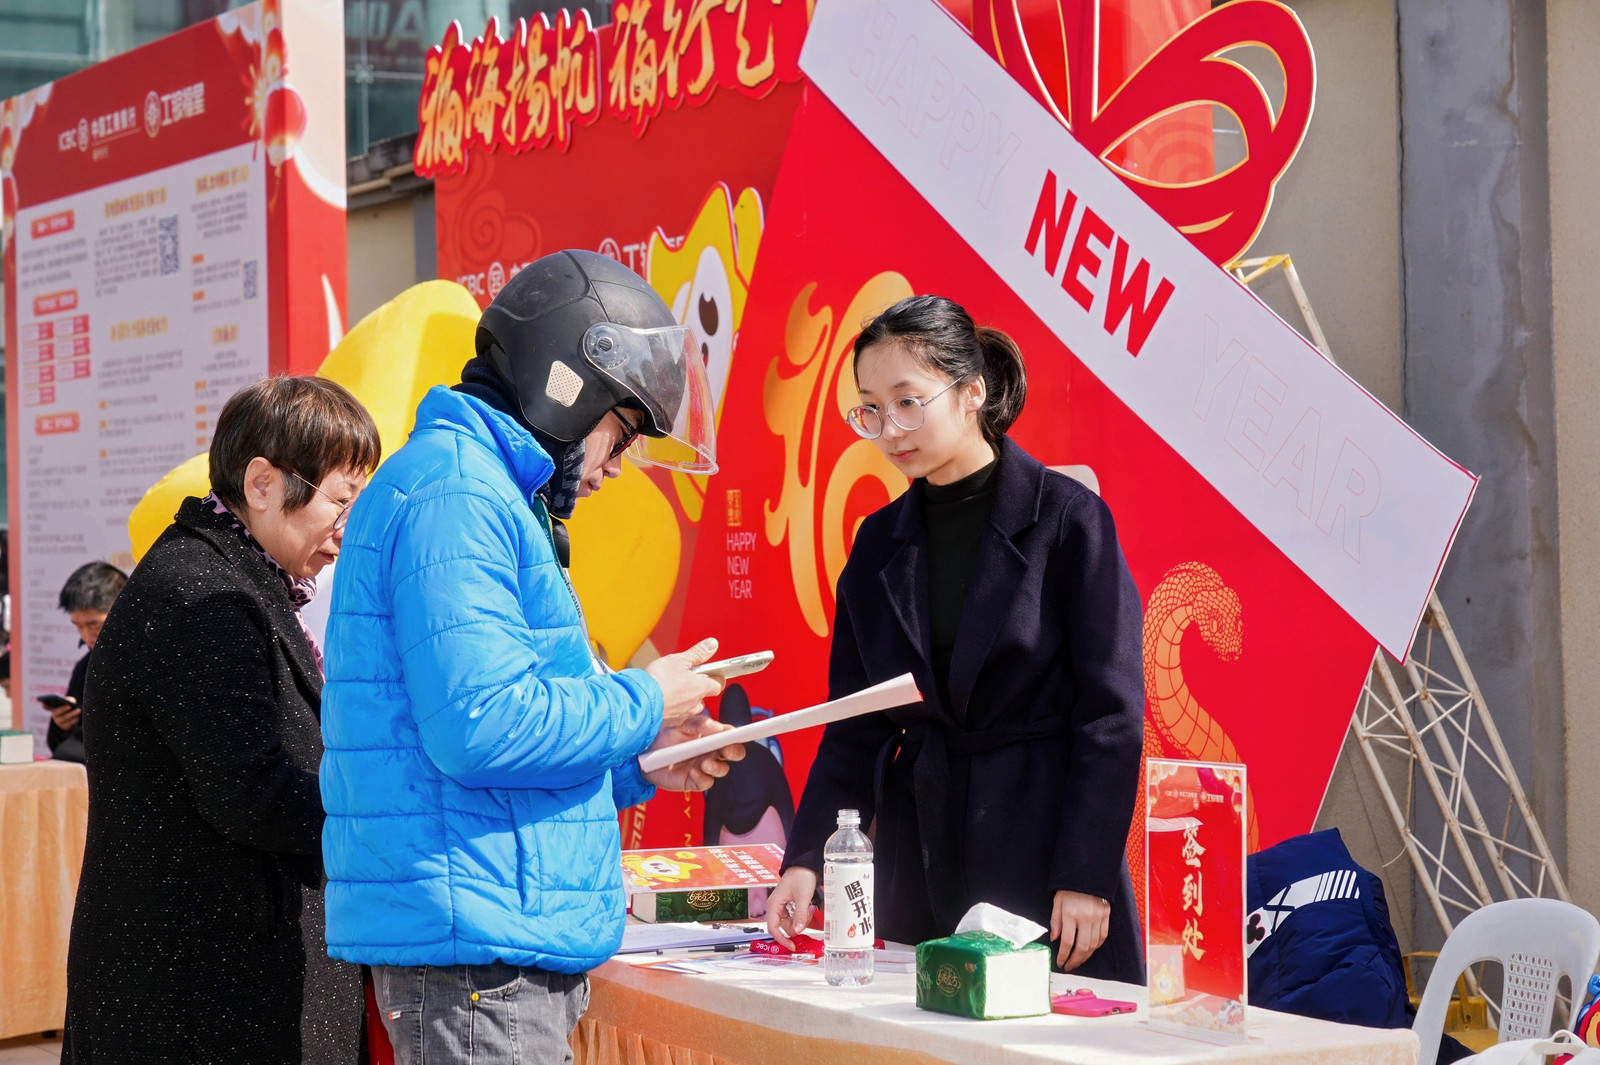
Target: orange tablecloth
(789, 1016)
(44, 810)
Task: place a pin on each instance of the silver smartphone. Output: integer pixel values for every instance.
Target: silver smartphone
(729, 668)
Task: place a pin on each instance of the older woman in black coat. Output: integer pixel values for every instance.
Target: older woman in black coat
(198, 932)
(1000, 585)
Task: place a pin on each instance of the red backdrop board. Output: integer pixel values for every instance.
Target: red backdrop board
(163, 212)
(1250, 603)
(1231, 624)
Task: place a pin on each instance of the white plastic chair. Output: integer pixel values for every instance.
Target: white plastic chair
(1536, 942)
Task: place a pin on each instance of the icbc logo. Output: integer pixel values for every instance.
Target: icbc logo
(152, 113)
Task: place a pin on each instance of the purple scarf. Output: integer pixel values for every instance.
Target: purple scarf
(301, 591)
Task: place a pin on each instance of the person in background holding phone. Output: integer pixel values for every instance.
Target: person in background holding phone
(477, 752)
(86, 597)
(1001, 587)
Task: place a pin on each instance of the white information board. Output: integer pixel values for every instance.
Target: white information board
(141, 307)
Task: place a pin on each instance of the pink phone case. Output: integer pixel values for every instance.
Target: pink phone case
(1085, 1003)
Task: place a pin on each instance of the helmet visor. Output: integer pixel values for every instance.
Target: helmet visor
(664, 370)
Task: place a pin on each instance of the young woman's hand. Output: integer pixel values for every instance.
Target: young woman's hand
(789, 905)
(1080, 922)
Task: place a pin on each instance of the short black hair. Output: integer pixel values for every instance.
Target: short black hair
(309, 426)
(92, 586)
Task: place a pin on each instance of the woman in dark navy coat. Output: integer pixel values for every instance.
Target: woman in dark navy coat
(1000, 586)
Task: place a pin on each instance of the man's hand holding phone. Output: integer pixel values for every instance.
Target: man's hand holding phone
(64, 710)
(684, 692)
(683, 718)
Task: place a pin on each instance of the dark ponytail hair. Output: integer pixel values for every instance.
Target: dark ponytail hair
(943, 335)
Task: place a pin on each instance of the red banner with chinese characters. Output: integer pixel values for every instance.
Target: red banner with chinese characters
(1195, 820)
(534, 89)
(163, 212)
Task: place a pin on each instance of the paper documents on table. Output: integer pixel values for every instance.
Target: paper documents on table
(897, 692)
(743, 961)
(643, 938)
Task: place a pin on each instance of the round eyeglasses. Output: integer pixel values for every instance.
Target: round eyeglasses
(907, 412)
(344, 508)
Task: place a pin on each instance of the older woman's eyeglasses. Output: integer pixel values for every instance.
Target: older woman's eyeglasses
(344, 508)
(908, 412)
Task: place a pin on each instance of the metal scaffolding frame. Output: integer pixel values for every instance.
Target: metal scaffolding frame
(1431, 713)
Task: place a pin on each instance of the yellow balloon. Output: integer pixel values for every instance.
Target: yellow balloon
(625, 538)
(419, 339)
(160, 503)
(625, 547)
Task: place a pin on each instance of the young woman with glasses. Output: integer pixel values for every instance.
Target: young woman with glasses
(1000, 585)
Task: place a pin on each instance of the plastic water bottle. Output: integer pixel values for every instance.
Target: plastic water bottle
(848, 927)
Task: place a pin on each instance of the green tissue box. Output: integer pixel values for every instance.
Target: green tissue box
(981, 975)
(723, 904)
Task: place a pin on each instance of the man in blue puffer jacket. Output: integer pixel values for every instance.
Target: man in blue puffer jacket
(476, 754)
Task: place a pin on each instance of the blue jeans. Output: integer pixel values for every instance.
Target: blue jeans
(496, 1014)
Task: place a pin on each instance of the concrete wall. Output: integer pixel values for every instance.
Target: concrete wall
(1478, 374)
(1573, 29)
(381, 255)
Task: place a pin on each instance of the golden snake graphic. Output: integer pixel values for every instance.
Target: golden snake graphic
(1176, 725)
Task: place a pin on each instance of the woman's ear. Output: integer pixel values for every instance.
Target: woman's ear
(974, 393)
(260, 481)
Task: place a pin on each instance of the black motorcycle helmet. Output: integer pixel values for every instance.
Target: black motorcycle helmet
(576, 334)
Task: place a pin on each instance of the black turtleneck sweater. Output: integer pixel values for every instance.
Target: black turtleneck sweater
(956, 515)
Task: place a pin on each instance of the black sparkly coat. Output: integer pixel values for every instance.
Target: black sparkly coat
(198, 932)
(1025, 784)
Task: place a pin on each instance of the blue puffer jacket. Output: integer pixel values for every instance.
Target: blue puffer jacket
(475, 759)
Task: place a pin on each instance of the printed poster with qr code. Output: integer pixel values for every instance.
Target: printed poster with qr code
(136, 324)
(173, 224)
(701, 868)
